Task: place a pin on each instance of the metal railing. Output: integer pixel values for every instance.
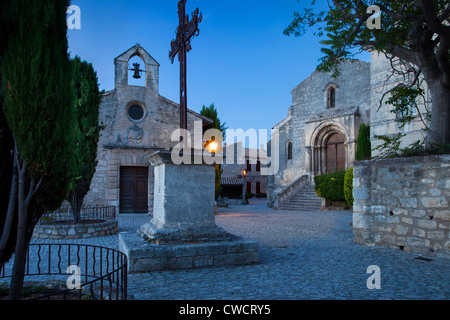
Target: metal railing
(102, 273)
(87, 214)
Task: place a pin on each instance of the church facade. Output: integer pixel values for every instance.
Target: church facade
(319, 134)
(137, 122)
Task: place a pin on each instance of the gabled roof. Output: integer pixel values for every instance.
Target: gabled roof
(282, 123)
(137, 50)
(208, 120)
(232, 181)
(335, 113)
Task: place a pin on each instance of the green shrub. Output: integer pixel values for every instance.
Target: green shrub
(348, 186)
(363, 146)
(330, 186)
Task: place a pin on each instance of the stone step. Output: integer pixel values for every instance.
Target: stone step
(305, 199)
(288, 208)
(301, 206)
(303, 203)
(306, 196)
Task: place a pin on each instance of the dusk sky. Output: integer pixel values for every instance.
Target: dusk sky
(241, 61)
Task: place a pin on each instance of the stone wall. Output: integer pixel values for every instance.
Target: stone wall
(403, 204)
(382, 120)
(78, 231)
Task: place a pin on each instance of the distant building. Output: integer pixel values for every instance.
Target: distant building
(246, 169)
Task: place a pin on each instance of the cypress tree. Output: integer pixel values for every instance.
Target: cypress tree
(363, 149)
(36, 78)
(7, 238)
(86, 106)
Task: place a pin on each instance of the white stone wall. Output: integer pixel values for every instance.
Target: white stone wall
(403, 203)
(382, 121)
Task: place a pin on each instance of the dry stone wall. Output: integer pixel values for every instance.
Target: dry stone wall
(403, 204)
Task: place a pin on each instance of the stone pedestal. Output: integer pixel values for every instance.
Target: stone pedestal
(183, 231)
(183, 202)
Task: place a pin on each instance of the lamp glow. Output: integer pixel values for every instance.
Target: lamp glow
(213, 147)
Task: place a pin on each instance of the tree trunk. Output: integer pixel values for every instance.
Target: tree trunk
(9, 215)
(76, 202)
(439, 133)
(18, 274)
(25, 193)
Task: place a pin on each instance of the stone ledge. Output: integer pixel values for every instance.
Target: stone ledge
(144, 256)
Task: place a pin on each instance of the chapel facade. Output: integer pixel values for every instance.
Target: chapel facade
(137, 122)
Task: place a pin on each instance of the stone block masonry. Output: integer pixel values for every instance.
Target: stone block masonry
(403, 204)
(145, 256)
(77, 231)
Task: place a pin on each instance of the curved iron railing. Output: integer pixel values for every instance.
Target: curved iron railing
(102, 272)
(88, 213)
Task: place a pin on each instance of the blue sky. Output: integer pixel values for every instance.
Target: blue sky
(241, 61)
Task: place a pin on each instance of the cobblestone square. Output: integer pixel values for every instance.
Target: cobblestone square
(303, 256)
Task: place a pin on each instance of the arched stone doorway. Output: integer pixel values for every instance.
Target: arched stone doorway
(329, 151)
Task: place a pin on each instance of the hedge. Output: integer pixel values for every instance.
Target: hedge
(330, 186)
(348, 186)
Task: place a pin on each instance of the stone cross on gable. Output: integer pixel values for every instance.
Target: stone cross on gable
(186, 30)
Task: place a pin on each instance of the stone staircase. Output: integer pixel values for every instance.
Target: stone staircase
(304, 199)
(298, 196)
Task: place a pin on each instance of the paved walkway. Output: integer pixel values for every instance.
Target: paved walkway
(303, 255)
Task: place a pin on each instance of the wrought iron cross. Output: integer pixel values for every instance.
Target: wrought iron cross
(181, 46)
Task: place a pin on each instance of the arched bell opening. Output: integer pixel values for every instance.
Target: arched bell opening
(136, 71)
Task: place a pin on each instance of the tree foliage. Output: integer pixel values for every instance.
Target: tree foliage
(36, 76)
(348, 186)
(87, 131)
(212, 113)
(413, 33)
(363, 148)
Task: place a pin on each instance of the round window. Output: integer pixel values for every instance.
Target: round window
(136, 112)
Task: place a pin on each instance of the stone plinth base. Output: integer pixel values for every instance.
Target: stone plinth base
(146, 256)
(183, 233)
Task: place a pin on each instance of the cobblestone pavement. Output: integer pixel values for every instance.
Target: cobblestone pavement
(303, 255)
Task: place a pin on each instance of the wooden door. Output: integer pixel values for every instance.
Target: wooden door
(335, 153)
(134, 190)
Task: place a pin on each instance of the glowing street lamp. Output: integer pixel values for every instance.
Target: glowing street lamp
(212, 147)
